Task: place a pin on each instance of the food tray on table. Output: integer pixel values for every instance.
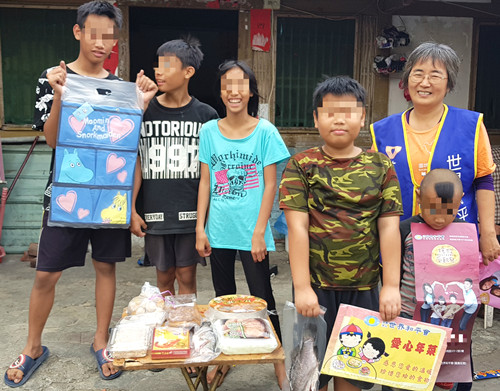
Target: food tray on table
(147, 362)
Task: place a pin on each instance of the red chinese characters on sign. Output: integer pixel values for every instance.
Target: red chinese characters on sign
(260, 29)
(408, 346)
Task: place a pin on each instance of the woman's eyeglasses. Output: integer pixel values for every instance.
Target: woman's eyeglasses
(418, 77)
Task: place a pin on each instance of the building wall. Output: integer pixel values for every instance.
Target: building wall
(24, 208)
(452, 31)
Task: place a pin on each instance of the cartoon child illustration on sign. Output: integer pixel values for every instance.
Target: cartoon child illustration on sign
(73, 170)
(116, 213)
(350, 336)
(372, 350)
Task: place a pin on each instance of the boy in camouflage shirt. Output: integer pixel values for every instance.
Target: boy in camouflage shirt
(342, 207)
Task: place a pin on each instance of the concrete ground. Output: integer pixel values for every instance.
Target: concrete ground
(68, 332)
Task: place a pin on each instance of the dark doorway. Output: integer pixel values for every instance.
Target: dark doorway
(488, 78)
(217, 31)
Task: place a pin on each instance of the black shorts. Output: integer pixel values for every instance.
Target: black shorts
(331, 300)
(60, 248)
(172, 250)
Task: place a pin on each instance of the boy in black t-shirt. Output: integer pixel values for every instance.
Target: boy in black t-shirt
(59, 248)
(168, 168)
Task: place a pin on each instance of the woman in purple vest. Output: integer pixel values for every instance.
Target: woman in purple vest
(432, 134)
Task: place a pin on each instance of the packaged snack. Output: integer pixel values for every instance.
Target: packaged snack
(152, 319)
(182, 311)
(237, 307)
(170, 342)
(204, 347)
(245, 336)
(150, 300)
(130, 340)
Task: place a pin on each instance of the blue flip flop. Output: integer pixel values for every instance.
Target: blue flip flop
(102, 357)
(27, 366)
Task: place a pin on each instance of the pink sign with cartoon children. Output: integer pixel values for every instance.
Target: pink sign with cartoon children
(447, 289)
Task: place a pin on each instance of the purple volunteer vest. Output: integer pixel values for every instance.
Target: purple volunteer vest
(454, 148)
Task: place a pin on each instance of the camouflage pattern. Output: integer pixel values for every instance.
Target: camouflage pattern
(344, 198)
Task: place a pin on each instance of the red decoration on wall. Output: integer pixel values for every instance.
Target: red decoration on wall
(111, 63)
(213, 4)
(260, 29)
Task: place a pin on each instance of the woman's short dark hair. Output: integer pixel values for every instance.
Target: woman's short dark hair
(436, 52)
(99, 8)
(253, 103)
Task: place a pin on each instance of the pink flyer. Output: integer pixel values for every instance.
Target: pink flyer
(447, 289)
(489, 283)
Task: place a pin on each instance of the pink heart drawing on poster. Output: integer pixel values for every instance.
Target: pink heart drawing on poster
(122, 176)
(67, 201)
(76, 125)
(119, 129)
(114, 163)
(82, 213)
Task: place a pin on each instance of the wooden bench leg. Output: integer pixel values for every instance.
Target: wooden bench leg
(488, 316)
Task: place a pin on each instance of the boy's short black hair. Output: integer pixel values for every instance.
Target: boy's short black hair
(186, 49)
(338, 86)
(99, 8)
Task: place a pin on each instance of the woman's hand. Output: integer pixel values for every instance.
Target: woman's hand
(489, 247)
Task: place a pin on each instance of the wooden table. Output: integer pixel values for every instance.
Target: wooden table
(277, 356)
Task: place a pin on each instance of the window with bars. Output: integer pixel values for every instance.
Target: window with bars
(488, 78)
(32, 40)
(307, 50)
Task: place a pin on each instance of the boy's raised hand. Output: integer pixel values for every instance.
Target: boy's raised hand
(147, 86)
(390, 302)
(57, 78)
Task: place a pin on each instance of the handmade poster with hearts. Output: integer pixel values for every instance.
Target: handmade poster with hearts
(71, 205)
(112, 207)
(115, 168)
(75, 165)
(96, 153)
(98, 207)
(105, 126)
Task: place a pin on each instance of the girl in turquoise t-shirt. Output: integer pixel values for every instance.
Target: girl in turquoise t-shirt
(238, 156)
